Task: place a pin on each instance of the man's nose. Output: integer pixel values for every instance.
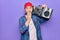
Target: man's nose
(28, 9)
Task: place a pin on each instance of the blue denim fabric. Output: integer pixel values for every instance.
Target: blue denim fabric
(24, 31)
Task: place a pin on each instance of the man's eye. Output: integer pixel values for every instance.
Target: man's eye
(26, 8)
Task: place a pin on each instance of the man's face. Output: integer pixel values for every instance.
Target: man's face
(28, 9)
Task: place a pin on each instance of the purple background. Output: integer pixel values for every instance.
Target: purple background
(11, 10)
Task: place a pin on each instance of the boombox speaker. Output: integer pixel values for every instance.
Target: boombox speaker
(42, 12)
(46, 13)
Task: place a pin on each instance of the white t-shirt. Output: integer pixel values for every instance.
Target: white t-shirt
(32, 31)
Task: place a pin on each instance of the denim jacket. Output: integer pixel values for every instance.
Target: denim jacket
(24, 31)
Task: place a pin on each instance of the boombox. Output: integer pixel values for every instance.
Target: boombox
(42, 12)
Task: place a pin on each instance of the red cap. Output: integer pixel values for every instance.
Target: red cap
(27, 4)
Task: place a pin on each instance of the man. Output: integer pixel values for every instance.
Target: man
(29, 25)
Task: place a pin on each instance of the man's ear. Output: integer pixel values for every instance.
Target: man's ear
(25, 11)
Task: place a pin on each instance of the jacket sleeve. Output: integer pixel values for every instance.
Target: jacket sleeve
(22, 27)
(39, 34)
(42, 20)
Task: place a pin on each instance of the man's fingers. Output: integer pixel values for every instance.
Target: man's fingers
(44, 5)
